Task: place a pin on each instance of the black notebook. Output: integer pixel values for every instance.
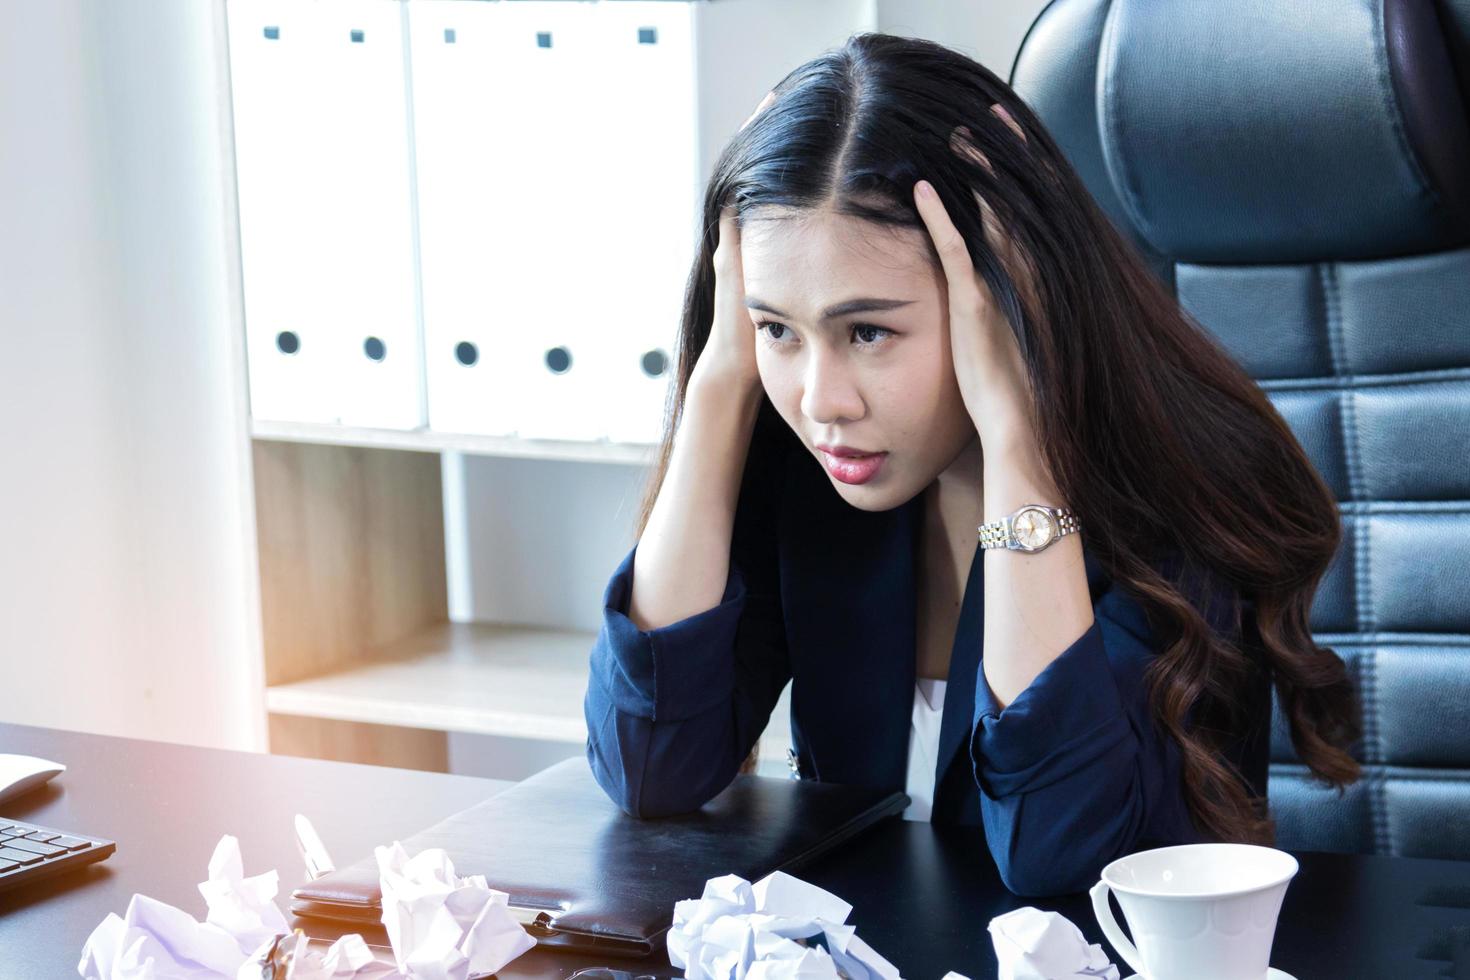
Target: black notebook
(582, 874)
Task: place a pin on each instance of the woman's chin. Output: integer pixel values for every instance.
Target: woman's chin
(873, 497)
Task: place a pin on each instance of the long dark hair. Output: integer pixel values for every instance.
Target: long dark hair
(1155, 437)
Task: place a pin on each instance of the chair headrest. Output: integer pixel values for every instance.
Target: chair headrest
(1248, 131)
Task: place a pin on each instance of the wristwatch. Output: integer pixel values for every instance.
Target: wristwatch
(1030, 527)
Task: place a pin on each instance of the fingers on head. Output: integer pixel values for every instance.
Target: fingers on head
(962, 140)
(1006, 117)
(727, 249)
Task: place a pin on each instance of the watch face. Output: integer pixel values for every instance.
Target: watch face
(1034, 528)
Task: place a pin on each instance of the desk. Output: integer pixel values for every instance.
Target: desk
(922, 895)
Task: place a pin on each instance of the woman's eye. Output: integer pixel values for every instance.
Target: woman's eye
(770, 328)
(864, 332)
(859, 327)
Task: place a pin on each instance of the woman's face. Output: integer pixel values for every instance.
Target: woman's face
(877, 380)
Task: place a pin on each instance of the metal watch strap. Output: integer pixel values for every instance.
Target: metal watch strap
(998, 533)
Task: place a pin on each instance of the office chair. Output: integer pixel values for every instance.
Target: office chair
(1299, 174)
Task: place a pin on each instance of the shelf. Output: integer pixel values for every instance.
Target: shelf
(430, 441)
(477, 678)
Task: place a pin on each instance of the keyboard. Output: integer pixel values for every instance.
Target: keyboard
(29, 852)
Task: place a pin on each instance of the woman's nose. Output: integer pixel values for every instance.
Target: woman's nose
(830, 392)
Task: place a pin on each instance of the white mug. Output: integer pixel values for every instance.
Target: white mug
(1196, 911)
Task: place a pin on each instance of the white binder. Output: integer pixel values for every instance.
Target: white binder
(326, 231)
(470, 203)
(508, 155)
(647, 99)
(552, 306)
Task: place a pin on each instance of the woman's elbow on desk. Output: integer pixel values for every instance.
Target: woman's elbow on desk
(1052, 825)
(654, 769)
(1043, 848)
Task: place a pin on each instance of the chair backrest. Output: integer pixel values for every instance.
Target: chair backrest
(1299, 173)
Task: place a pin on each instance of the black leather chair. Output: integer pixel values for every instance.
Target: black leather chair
(1298, 171)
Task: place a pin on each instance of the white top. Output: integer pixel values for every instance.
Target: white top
(924, 746)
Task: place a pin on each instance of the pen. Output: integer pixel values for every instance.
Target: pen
(318, 861)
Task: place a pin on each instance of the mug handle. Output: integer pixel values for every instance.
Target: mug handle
(1104, 913)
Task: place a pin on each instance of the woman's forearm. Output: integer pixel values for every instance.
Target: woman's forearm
(683, 556)
(1036, 605)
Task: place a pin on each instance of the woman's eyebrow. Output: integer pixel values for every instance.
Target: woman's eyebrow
(846, 308)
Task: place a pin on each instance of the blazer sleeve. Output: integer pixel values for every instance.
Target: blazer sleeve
(672, 712)
(1073, 773)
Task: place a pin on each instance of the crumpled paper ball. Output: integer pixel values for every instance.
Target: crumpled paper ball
(243, 907)
(442, 926)
(349, 958)
(155, 939)
(1034, 945)
(740, 931)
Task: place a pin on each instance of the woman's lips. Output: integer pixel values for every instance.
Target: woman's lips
(854, 469)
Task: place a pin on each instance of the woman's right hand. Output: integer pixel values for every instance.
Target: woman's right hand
(729, 354)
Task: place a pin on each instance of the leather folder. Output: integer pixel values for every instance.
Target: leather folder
(583, 875)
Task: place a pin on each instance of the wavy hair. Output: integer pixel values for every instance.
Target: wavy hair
(1154, 435)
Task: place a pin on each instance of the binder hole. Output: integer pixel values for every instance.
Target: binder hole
(655, 362)
(374, 348)
(287, 342)
(543, 39)
(356, 37)
(466, 353)
(559, 359)
(647, 35)
(449, 35)
(272, 33)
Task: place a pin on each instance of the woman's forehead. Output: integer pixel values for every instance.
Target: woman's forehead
(809, 247)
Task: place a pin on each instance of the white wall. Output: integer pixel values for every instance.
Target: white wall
(126, 568)
(990, 31)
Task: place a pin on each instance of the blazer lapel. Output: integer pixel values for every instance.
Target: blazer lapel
(964, 668)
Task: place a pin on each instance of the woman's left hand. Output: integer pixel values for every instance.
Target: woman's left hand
(987, 359)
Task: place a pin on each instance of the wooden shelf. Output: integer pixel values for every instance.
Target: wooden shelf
(430, 441)
(351, 541)
(483, 679)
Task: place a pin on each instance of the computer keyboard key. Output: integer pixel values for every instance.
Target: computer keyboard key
(70, 843)
(30, 852)
(19, 857)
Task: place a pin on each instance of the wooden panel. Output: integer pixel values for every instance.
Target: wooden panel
(463, 677)
(351, 554)
(350, 741)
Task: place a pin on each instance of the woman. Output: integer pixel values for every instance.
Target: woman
(868, 375)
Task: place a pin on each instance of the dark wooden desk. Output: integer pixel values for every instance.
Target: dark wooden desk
(922, 896)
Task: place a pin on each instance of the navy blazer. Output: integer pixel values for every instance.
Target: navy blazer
(1070, 775)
